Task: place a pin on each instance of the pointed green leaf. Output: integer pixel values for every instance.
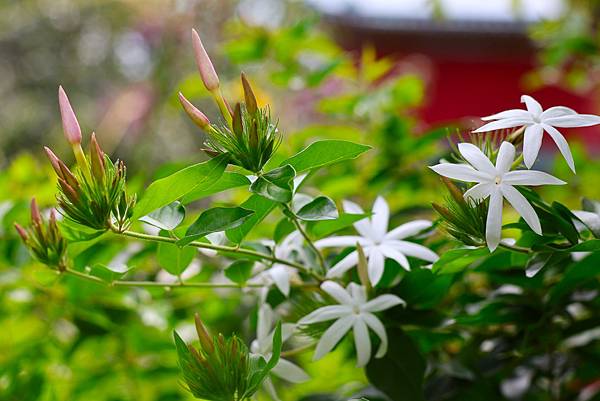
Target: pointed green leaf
(275, 185)
(320, 208)
(261, 207)
(166, 190)
(239, 271)
(173, 258)
(227, 181)
(167, 217)
(323, 153)
(215, 220)
(324, 228)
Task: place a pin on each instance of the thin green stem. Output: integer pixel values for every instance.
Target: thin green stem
(154, 284)
(223, 248)
(515, 248)
(304, 234)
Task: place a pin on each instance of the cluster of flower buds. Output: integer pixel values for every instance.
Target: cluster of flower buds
(250, 136)
(222, 369)
(464, 219)
(44, 240)
(94, 194)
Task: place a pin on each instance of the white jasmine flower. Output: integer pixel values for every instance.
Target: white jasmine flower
(497, 182)
(536, 121)
(281, 275)
(353, 312)
(377, 242)
(263, 345)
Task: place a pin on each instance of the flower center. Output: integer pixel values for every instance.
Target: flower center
(356, 309)
(498, 180)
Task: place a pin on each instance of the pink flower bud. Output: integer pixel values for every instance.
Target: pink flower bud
(36, 217)
(196, 115)
(22, 233)
(54, 160)
(205, 66)
(69, 120)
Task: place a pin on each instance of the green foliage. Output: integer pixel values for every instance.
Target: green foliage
(275, 185)
(318, 209)
(215, 220)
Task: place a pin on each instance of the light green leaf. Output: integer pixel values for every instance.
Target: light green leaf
(239, 271)
(215, 220)
(323, 153)
(173, 258)
(275, 185)
(167, 217)
(456, 260)
(227, 181)
(320, 208)
(171, 188)
(106, 273)
(261, 207)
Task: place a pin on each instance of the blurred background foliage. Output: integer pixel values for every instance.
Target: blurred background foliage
(122, 63)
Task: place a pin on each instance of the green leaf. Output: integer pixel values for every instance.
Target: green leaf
(320, 208)
(227, 181)
(456, 260)
(579, 273)
(283, 229)
(321, 229)
(261, 207)
(173, 258)
(275, 185)
(166, 190)
(239, 271)
(215, 220)
(587, 246)
(324, 153)
(261, 369)
(167, 217)
(399, 374)
(107, 273)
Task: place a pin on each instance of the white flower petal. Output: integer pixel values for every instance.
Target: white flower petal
(337, 292)
(591, 220)
(504, 123)
(281, 278)
(343, 265)
(396, 255)
(533, 106)
(493, 226)
(362, 226)
(380, 217)
(571, 121)
(290, 372)
(505, 158)
(532, 142)
(522, 206)
(513, 113)
(414, 250)
(556, 111)
(340, 241)
(375, 265)
(476, 158)
(376, 325)
(362, 342)
(265, 322)
(479, 192)
(358, 293)
(333, 335)
(326, 313)
(382, 302)
(462, 172)
(408, 229)
(530, 177)
(562, 144)
(270, 389)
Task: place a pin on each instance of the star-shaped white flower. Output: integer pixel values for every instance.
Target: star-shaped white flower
(536, 121)
(353, 312)
(496, 182)
(377, 242)
(263, 345)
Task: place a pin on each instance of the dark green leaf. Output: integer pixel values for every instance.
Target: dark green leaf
(320, 208)
(261, 207)
(173, 258)
(215, 220)
(577, 274)
(167, 217)
(399, 374)
(166, 190)
(239, 271)
(457, 260)
(283, 229)
(321, 229)
(275, 185)
(323, 153)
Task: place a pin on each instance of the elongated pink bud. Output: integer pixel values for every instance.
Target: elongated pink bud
(22, 233)
(196, 115)
(54, 160)
(36, 217)
(69, 120)
(205, 66)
